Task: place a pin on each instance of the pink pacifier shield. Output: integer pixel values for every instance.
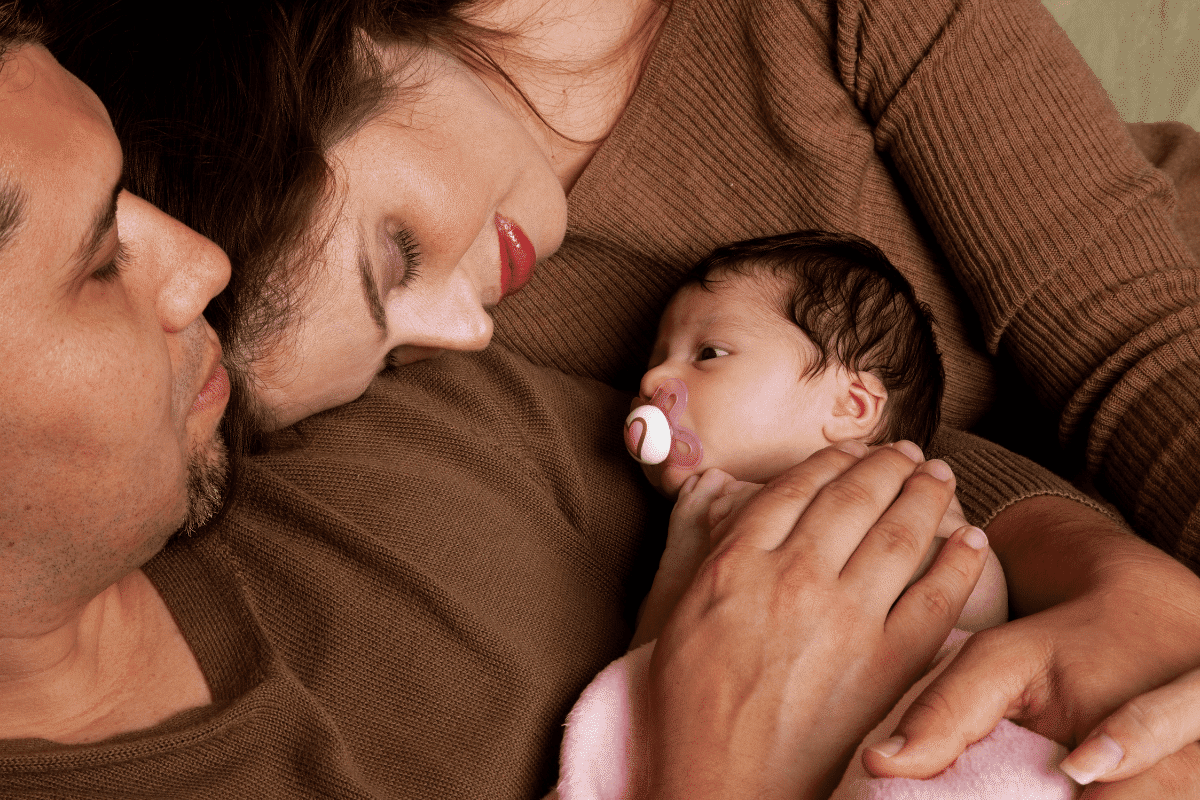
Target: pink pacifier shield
(653, 433)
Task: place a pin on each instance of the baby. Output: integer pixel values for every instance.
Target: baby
(771, 350)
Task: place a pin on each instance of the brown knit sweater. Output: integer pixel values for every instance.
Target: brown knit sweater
(973, 145)
(409, 592)
(404, 601)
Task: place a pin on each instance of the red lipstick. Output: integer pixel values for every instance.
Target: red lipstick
(517, 256)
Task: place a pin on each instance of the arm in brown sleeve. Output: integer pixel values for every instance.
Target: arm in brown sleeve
(1058, 229)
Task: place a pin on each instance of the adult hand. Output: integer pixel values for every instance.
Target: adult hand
(704, 502)
(1173, 778)
(1120, 618)
(790, 644)
(1142, 733)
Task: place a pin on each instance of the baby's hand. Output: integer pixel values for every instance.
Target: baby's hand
(704, 502)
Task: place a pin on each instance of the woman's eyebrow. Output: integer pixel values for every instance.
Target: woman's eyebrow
(366, 271)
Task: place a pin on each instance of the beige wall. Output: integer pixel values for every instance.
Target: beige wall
(1145, 52)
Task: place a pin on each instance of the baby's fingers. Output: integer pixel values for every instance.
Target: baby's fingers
(699, 491)
(1140, 733)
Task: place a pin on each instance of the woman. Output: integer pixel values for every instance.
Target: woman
(657, 192)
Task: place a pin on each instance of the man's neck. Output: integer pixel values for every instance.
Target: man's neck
(121, 665)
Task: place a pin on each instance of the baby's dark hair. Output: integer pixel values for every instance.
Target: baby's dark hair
(857, 309)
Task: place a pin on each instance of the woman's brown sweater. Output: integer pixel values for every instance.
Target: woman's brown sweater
(972, 144)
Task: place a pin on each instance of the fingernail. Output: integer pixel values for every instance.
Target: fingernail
(689, 484)
(975, 538)
(909, 449)
(889, 747)
(938, 469)
(854, 448)
(1097, 756)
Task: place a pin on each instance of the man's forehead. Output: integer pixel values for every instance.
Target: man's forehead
(58, 157)
(47, 114)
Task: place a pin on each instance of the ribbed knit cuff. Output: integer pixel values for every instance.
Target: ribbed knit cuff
(990, 478)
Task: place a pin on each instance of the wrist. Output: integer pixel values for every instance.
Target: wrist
(1054, 549)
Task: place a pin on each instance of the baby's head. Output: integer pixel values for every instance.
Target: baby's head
(788, 344)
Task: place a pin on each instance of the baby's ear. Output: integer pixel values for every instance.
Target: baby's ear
(857, 407)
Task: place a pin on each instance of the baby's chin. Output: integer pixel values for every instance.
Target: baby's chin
(669, 480)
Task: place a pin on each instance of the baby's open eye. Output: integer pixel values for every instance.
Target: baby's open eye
(709, 351)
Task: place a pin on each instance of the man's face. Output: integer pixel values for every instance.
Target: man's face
(112, 389)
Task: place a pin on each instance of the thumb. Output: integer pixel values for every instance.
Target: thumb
(982, 685)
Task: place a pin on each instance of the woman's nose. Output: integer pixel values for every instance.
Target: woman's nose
(451, 318)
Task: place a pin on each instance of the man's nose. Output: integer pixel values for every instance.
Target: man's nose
(190, 270)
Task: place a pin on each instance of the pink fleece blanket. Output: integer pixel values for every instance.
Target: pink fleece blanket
(604, 747)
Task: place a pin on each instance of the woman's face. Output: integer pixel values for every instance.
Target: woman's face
(440, 205)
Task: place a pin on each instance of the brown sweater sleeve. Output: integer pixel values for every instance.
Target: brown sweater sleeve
(999, 477)
(1057, 228)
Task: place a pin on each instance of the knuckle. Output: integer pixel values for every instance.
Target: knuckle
(798, 488)
(935, 601)
(898, 538)
(958, 574)
(933, 712)
(847, 492)
(722, 570)
(1146, 719)
(795, 575)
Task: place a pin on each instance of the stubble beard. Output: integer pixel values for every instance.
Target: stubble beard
(208, 478)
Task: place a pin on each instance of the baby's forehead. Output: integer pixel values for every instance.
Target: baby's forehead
(730, 296)
(731, 304)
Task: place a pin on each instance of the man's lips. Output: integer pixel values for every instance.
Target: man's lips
(517, 256)
(215, 391)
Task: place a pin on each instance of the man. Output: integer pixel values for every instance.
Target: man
(112, 395)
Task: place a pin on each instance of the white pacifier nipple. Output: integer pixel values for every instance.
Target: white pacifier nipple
(648, 434)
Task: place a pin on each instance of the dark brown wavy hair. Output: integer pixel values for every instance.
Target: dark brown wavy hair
(225, 109)
(858, 310)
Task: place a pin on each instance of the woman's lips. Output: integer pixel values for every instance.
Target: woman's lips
(215, 392)
(517, 256)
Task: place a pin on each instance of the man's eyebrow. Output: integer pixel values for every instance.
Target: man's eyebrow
(371, 289)
(12, 212)
(102, 225)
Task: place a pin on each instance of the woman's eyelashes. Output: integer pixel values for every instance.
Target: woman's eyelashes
(410, 256)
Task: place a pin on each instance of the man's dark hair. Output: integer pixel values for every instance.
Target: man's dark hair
(858, 310)
(18, 27)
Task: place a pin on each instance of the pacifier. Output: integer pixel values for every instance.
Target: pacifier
(653, 433)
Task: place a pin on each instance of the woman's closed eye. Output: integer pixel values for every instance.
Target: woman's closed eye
(410, 257)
